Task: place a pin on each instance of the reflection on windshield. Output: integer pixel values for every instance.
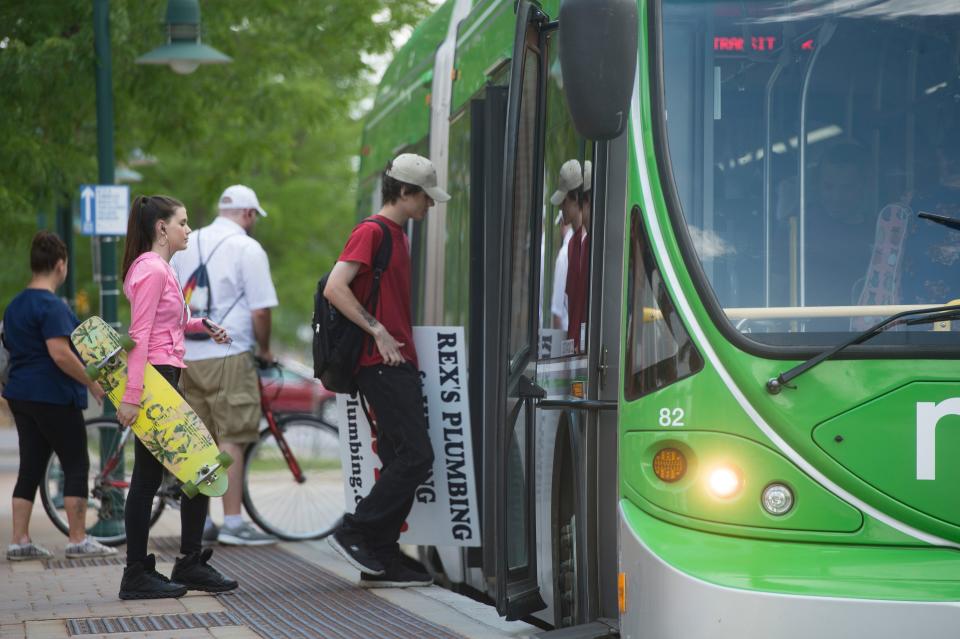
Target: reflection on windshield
(805, 139)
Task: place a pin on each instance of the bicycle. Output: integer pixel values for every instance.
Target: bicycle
(292, 479)
(292, 483)
(110, 447)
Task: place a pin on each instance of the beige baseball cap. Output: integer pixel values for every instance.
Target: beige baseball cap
(419, 171)
(571, 177)
(239, 196)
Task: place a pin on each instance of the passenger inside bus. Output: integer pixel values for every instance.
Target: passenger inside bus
(573, 197)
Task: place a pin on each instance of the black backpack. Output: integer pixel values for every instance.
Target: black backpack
(336, 340)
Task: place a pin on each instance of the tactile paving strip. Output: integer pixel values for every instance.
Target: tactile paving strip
(117, 560)
(281, 596)
(110, 625)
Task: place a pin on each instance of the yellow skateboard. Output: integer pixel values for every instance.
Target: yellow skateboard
(167, 426)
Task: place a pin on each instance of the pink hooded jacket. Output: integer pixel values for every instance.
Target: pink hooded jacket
(158, 319)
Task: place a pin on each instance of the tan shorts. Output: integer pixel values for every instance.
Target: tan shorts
(225, 394)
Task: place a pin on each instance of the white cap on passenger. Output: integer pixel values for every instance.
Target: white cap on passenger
(411, 168)
(239, 196)
(571, 177)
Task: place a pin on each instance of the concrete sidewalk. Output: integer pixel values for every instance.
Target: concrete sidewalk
(289, 590)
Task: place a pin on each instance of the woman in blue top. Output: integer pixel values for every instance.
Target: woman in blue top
(47, 392)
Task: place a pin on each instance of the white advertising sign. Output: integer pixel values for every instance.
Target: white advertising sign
(445, 506)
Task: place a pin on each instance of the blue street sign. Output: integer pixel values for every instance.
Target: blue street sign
(103, 209)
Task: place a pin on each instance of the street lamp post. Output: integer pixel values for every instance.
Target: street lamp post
(110, 521)
(105, 159)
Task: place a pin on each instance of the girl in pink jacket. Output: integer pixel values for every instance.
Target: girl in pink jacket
(157, 228)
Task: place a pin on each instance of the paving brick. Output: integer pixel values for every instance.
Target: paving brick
(202, 603)
(48, 629)
(13, 631)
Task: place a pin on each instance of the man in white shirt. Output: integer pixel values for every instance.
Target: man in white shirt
(220, 382)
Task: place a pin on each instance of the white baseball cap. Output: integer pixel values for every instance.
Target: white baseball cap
(239, 196)
(571, 177)
(419, 171)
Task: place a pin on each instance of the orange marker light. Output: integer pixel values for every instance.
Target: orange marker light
(622, 591)
(669, 464)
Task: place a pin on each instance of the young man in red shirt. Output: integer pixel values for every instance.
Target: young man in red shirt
(388, 375)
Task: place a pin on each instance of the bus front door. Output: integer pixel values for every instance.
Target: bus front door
(511, 318)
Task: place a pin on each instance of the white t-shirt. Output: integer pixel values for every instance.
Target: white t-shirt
(558, 301)
(239, 276)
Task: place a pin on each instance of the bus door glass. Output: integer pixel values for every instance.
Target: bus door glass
(516, 317)
(565, 240)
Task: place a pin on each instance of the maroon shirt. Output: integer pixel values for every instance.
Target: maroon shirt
(393, 307)
(578, 265)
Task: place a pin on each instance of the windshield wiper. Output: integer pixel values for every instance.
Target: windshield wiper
(927, 316)
(948, 222)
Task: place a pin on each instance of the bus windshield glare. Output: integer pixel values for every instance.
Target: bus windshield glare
(806, 137)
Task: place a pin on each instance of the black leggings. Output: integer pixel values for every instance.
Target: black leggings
(146, 480)
(42, 428)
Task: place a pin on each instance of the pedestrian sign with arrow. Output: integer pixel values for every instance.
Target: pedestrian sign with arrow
(103, 209)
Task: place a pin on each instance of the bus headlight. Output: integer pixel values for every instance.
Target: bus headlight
(777, 499)
(724, 481)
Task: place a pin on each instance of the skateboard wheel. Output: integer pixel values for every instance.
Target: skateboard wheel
(225, 460)
(92, 372)
(127, 343)
(190, 489)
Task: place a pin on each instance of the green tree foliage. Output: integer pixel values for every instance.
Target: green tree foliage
(279, 119)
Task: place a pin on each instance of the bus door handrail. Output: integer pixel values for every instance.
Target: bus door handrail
(580, 404)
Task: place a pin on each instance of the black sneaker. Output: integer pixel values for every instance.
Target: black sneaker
(195, 573)
(142, 581)
(356, 552)
(397, 575)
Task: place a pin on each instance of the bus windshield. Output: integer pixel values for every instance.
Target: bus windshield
(805, 138)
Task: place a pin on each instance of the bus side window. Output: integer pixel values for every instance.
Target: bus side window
(659, 349)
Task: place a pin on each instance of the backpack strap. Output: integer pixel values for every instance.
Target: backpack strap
(380, 262)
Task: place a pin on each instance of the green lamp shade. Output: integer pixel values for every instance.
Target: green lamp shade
(184, 57)
(183, 51)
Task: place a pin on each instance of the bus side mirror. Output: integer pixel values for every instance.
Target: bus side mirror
(598, 60)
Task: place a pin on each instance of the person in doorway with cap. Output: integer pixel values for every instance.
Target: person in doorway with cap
(573, 197)
(388, 376)
(225, 275)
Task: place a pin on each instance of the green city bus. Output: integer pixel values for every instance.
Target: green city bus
(738, 413)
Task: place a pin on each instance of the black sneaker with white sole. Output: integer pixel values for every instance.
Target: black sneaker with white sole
(356, 552)
(397, 575)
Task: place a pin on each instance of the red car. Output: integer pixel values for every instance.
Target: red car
(291, 388)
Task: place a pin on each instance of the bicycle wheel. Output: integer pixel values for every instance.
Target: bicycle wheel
(107, 495)
(274, 499)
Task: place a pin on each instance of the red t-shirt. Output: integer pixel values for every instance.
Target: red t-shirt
(578, 266)
(393, 307)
